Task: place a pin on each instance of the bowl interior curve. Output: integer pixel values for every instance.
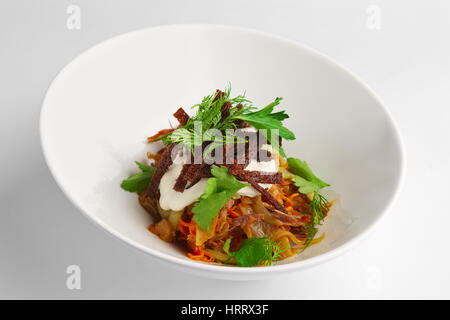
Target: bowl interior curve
(102, 106)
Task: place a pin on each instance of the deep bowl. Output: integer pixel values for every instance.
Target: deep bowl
(99, 109)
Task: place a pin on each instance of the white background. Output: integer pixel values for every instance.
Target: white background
(406, 62)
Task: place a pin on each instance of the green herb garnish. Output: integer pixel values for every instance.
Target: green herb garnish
(210, 115)
(305, 179)
(254, 251)
(308, 182)
(139, 182)
(318, 208)
(219, 189)
(265, 119)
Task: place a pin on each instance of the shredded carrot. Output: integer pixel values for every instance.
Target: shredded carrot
(289, 200)
(159, 134)
(192, 227)
(283, 163)
(155, 157)
(182, 225)
(330, 204)
(201, 255)
(286, 182)
(247, 231)
(232, 211)
(278, 198)
(292, 196)
(291, 210)
(209, 256)
(152, 228)
(196, 257)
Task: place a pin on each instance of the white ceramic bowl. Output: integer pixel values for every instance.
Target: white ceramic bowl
(101, 107)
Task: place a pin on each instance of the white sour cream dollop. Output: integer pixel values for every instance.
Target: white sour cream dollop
(176, 201)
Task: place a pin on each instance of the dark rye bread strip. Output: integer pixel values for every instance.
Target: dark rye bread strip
(219, 94)
(263, 177)
(163, 165)
(191, 173)
(243, 154)
(181, 116)
(181, 182)
(257, 176)
(225, 110)
(194, 172)
(241, 123)
(236, 170)
(205, 172)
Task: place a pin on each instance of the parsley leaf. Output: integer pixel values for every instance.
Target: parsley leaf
(210, 115)
(254, 251)
(305, 179)
(226, 247)
(219, 189)
(265, 119)
(305, 186)
(138, 182)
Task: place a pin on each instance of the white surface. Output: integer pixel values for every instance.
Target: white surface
(105, 101)
(406, 62)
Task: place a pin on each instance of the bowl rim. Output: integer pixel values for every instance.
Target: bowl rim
(204, 268)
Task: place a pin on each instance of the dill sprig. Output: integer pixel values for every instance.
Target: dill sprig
(210, 115)
(277, 250)
(318, 209)
(307, 182)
